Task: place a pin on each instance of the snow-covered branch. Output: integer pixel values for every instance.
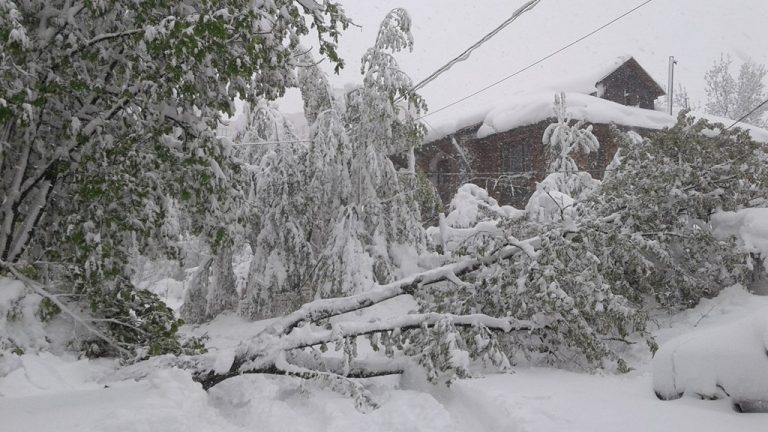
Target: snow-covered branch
(326, 308)
(102, 38)
(261, 354)
(41, 290)
(406, 322)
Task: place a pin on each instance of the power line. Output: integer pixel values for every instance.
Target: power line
(465, 55)
(747, 114)
(546, 57)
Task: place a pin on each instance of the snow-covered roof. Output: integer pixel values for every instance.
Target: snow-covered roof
(534, 105)
(526, 109)
(534, 108)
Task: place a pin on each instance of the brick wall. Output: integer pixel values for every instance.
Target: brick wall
(507, 164)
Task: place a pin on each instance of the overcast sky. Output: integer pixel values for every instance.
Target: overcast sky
(696, 32)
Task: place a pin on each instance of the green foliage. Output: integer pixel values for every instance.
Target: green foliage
(136, 318)
(662, 196)
(47, 310)
(109, 109)
(426, 196)
(641, 240)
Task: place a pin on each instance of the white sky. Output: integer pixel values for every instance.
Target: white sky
(696, 32)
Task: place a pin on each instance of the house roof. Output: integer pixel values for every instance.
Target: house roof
(535, 104)
(533, 108)
(537, 107)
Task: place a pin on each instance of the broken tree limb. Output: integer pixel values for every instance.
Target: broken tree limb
(406, 322)
(326, 308)
(295, 332)
(42, 291)
(261, 357)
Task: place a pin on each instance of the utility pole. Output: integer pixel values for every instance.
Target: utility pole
(671, 82)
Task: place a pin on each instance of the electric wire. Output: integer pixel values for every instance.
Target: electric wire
(747, 114)
(537, 62)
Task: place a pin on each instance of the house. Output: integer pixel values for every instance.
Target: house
(501, 149)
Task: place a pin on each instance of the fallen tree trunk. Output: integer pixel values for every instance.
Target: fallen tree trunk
(326, 308)
(259, 359)
(277, 349)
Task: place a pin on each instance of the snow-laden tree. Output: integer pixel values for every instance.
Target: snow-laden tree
(642, 239)
(664, 193)
(360, 207)
(107, 109)
(562, 140)
(735, 97)
(556, 195)
(381, 122)
(265, 128)
(282, 256)
(327, 216)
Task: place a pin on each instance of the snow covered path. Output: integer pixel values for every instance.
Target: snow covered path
(50, 393)
(530, 400)
(544, 400)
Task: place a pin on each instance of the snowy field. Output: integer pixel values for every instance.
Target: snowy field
(63, 394)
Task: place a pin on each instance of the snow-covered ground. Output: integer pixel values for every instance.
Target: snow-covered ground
(64, 394)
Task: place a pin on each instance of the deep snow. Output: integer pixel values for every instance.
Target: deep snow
(63, 394)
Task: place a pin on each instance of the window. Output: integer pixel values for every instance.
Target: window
(516, 157)
(443, 173)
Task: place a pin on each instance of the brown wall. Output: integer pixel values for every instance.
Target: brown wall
(507, 164)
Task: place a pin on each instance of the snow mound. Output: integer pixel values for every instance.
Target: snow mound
(729, 360)
(472, 212)
(20, 328)
(283, 403)
(473, 204)
(749, 227)
(45, 373)
(549, 204)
